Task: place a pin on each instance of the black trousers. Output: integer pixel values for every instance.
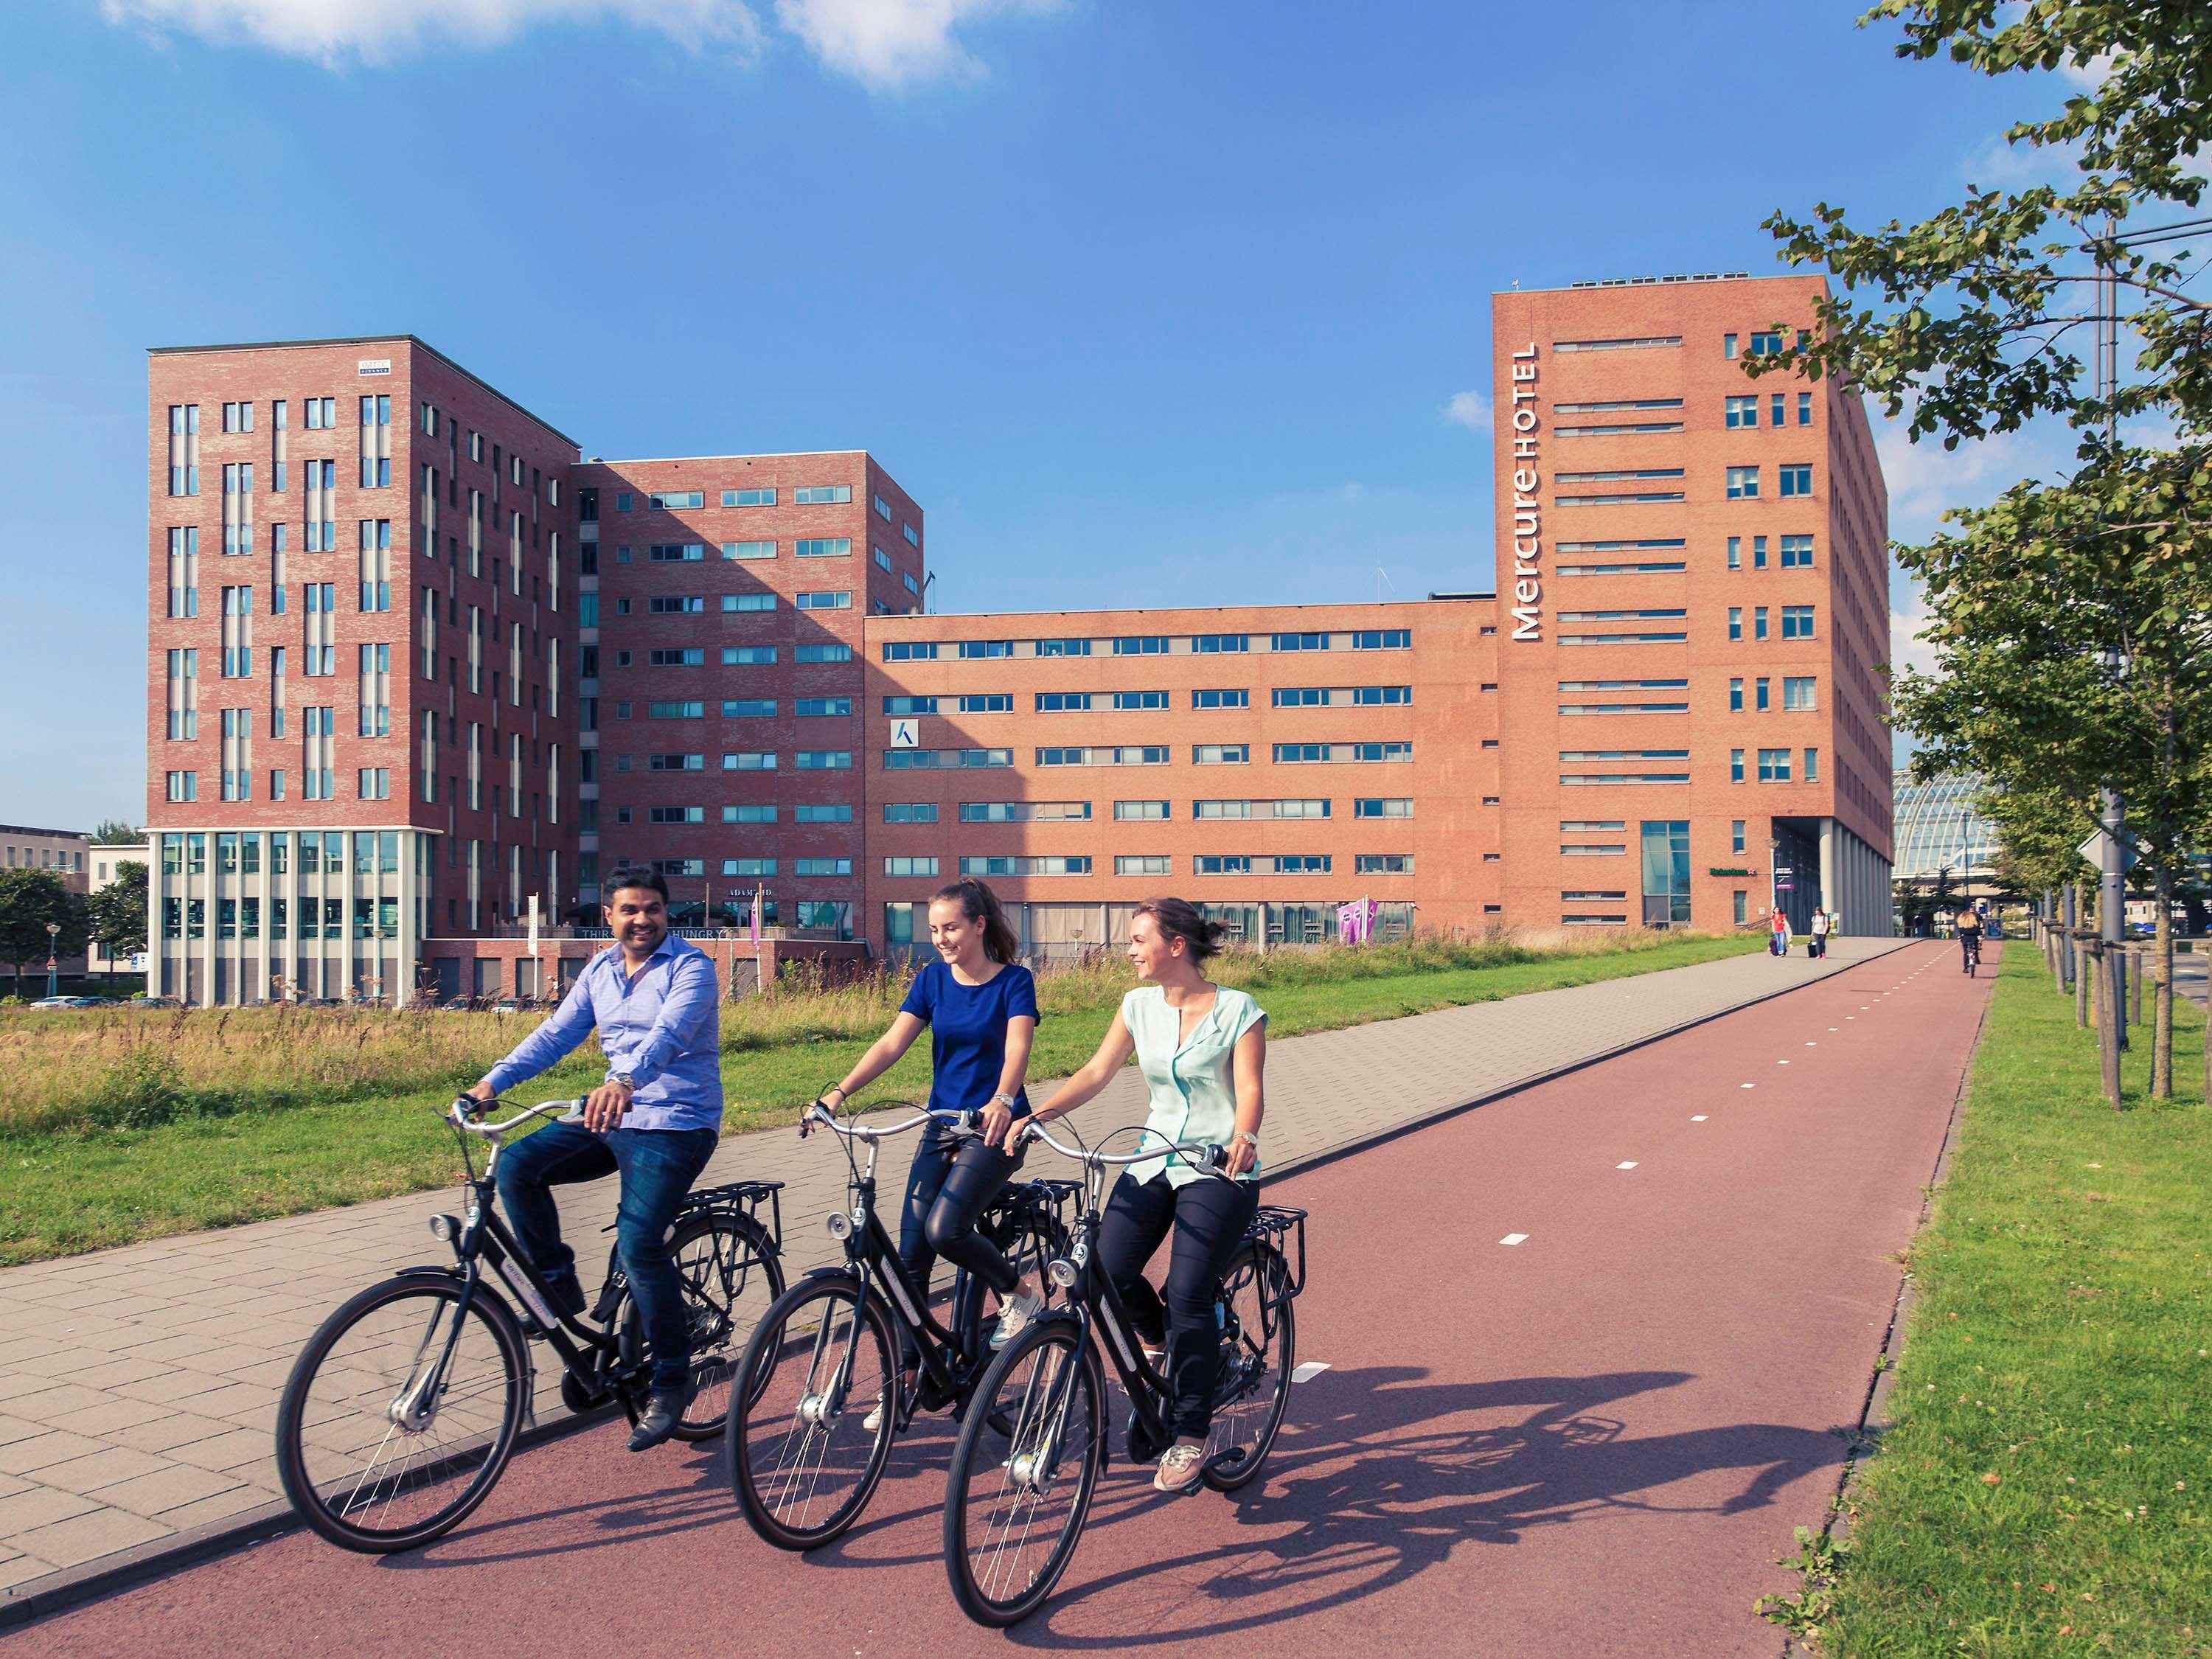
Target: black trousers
(951, 1183)
(1208, 1218)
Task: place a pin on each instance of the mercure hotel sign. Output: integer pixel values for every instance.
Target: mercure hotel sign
(1527, 523)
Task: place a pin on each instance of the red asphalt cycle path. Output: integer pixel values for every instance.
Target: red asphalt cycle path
(1595, 1441)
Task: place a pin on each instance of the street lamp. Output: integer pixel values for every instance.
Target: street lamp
(53, 962)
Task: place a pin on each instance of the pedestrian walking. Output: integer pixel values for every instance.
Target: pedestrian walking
(1821, 924)
(1778, 941)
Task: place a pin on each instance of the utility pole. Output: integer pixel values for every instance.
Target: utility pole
(2111, 895)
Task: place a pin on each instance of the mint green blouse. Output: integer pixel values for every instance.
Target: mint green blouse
(1193, 1088)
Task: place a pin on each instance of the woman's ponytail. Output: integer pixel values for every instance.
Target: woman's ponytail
(982, 906)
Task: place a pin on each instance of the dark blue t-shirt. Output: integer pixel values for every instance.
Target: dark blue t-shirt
(968, 1032)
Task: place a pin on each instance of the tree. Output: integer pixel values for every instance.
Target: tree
(2068, 619)
(117, 912)
(114, 832)
(29, 899)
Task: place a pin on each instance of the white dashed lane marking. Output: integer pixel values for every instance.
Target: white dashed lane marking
(1751, 1085)
(1700, 1118)
(1513, 1238)
(1629, 1165)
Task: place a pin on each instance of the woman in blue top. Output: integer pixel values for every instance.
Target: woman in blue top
(979, 1006)
(1203, 1049)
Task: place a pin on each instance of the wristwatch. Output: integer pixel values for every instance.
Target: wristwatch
(624, 1079)
(1006, 1101)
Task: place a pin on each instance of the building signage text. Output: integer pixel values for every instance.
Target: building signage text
(1527, 523)
(373, 366)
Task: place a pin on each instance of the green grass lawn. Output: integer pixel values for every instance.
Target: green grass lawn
(2047, 1486)
(87, 1188)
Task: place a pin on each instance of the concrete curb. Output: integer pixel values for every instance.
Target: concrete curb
(74, 1586)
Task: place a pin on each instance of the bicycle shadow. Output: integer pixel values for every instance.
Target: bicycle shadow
(1380, 1486)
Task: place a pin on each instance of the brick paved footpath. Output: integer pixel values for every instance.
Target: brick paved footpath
(138, 1386)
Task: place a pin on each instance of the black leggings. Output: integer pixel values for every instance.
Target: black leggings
(1209, 1218)
(946, 1190)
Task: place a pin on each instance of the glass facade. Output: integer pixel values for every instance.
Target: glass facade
(1667, 872)
(1938, 828)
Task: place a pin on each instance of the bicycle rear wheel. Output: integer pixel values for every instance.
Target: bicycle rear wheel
(731, 1278)
(1032, 1443)
(400, 1414)
(1259, 1347)
(801, 1459)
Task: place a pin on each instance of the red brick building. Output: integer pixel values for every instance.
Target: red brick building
(489, 671)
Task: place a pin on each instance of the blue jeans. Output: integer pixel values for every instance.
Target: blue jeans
(658, 1167)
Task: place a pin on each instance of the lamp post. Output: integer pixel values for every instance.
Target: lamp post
(53, 962)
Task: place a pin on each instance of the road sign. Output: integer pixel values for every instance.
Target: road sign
(2093, 850)
(906, 734)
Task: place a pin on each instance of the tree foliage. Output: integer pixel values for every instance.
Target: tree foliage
(114, 832)
(29, 899)
(117, 912)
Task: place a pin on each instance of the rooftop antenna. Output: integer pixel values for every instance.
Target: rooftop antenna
(1382, 578)
(928, 582)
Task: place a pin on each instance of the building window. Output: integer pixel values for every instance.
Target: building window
(1382, 638)
(735, 656)
(1758, 552)
(1383, 864)
(910, 866)
(1142, 812)
(754, 812)
(1796, 622)
(979, 702)
(815, 707)
(1735, 552)
(745, 498)
(1812, 766)
(1208, 644)
(822, 601)
(1774, 766)
(1797, 694)
(1742, 483)
(882, 509)
(184, 785)
(1736, 766)
(913, 536)
(1736, 621)
(1761, 702)
(1797, 479)
(1141, 644)
(1766, 342)
(735, 604)
(1804, 408)
(815, 654)
(822, 547)
(1396, 806)
(1297, 642)
(910, 812)
(673, 501)
(1666, 874)
(822, 866)
(1143, 864)
(1727, 347)
(1796, 552)
(747, 867)
(1228, 697)
(1758, 622)
(1740, 901)
(1735, 696)
(1220, 754)
(1743, 411)
(824, 760)
(1736, 836)
(821, 494)
(882, 560)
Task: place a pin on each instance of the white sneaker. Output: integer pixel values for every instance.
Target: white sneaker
(873, 1422)
(1014, 1317)
(1179, 1468)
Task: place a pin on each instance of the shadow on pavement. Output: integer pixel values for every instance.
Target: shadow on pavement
(1381, 1486)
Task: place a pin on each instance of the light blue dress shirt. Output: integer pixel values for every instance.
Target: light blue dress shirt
(1191, 1080)
(661, 1026)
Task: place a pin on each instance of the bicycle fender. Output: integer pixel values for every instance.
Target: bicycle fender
(829, 1273)
(429, 1271)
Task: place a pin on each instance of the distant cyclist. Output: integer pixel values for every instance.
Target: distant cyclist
(1968, 926)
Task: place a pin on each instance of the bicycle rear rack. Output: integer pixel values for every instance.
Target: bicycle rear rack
(1274, 1225)
(742, 1198)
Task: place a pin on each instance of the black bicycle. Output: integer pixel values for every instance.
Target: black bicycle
(402, 1411)
(819, 1395)
(1033, 1441)
(1970, 951)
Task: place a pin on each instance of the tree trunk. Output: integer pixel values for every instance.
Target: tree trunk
(2161, 1046)
(2081, 987)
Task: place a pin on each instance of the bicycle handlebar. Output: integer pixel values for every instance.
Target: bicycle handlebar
(960, 1123)
(461, 1120)
(1210, 1154)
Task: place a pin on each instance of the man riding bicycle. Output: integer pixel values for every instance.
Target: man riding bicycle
(656, 1118)
(1968, 926)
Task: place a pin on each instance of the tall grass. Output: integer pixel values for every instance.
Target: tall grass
(123, 1068)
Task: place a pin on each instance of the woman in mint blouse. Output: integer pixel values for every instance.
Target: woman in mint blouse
(1203, 1049)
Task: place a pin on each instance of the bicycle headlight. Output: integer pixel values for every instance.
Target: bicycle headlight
(1062, 1271)
(445, 1227)
(840, 1225)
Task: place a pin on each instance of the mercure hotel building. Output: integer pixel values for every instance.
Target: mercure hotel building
(416, 664)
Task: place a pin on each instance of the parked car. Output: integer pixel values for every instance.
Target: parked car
(55, 1002)
(86, 1002)
(152, 1002)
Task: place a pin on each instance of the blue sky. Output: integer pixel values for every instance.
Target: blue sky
(1145, 303)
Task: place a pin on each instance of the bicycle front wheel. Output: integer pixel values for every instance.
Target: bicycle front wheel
(400, 1414)
(1032, 1443)
(802, 1458)
(1259, 1346)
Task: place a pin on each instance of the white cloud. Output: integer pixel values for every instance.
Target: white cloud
(885, 43)
(890, 44)
(1470, 409)
(1906, 649)
(1924, 478)
(381, 31)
